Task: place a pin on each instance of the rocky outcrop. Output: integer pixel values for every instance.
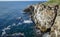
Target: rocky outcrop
(46, 18)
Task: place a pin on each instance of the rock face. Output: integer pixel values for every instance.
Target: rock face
(46, 18)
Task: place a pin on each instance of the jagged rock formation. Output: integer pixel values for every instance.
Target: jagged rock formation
(46, 18)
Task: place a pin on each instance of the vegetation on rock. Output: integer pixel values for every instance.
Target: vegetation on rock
(53, 2)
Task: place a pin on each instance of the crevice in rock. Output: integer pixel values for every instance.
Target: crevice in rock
(55, 10)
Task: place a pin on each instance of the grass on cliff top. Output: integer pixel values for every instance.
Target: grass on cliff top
(53, 2)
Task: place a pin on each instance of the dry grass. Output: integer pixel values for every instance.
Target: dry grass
(52, 2)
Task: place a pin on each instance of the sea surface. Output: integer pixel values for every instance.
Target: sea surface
(13, 21)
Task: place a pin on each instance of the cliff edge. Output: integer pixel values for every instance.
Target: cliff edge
(46, 17)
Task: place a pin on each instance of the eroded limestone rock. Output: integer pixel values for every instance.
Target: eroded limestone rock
(46, 17)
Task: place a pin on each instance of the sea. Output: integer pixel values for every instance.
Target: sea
(13, 21)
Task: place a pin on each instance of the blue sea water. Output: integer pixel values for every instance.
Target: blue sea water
(11, 24)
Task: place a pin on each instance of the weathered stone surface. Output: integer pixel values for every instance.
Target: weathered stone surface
(46, 17)
(55, 29)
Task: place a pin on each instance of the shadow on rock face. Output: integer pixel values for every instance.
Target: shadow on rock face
(26, 10)
(30, 9)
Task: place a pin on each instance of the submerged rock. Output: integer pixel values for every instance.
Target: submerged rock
(45, 18)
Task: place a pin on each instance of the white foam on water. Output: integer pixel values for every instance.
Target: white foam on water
(3, 33)
(19, 18)
(18, 34)
(4, 30)
(13, 24)
(27, 21)
(19, 24)
(7, 28)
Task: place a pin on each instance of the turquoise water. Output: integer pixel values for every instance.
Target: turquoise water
(10, 19)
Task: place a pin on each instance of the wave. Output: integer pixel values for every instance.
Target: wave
(4, 30)
(27, 21)
(15, 34)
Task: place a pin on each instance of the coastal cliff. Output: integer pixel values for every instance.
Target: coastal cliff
(46, 17)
